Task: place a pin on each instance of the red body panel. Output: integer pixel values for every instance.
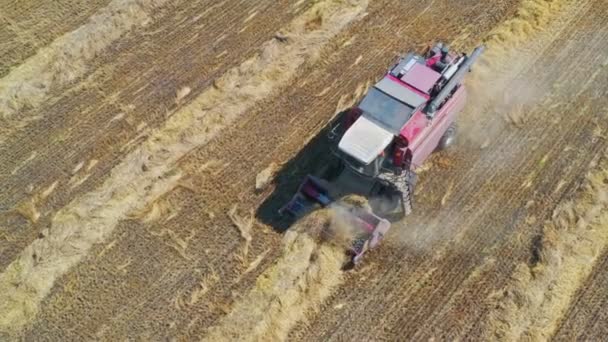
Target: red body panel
(417, 91)
(423, 134)
(422, 78)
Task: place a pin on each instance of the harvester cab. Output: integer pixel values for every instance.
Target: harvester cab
(378, 144)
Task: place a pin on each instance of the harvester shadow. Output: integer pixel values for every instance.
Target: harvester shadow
(309, 160)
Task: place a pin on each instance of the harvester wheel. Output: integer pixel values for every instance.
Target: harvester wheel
(408, 201)
(395, 200)
(448, 138)
(408, 193)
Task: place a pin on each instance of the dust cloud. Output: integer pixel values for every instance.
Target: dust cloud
(504, 84)
(504, 87)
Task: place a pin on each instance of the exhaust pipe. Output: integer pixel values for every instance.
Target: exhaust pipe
(433, 106)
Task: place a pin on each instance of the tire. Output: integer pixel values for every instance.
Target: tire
(396, 199)
(408, 196)
(448, 139)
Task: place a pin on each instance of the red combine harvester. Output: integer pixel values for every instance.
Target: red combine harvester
(402, 119)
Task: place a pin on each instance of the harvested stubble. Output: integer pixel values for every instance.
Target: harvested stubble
(299, 281)
(130, 188)
(533, 303)
(68, 57)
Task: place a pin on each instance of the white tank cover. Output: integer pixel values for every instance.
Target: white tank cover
(365, 140)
